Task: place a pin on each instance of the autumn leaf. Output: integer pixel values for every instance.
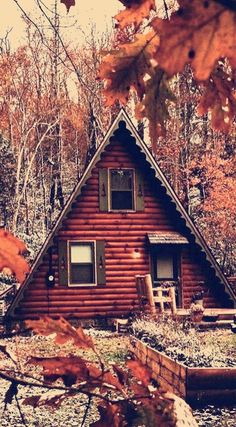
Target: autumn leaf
(200, 33)
(126, 68)
(154, 104)
(109, 416)
(69, 368)
(68, 4)
(139, 371)
(63, 330)
(11, 251)
(121, 374)
(219, 98)
(136, 11)
(52, 398)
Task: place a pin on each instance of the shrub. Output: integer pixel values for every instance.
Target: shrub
(180, 340)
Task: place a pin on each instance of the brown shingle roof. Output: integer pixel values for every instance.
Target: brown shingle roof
(167, 238)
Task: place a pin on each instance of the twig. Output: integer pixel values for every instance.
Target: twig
(81, 80)
(86, 411)
(20, 411)
(80, 389)
(166, 9)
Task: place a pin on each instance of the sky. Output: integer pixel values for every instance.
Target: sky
(80, 17)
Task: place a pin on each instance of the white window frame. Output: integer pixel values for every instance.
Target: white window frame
(109, 190)
(69, 263)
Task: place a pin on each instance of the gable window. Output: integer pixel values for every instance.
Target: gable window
(121, 189)
(81, 263)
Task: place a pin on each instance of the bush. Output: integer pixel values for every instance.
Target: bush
(181, 341)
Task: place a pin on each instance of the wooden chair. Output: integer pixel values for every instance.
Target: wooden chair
(145, 292)
(149, 296)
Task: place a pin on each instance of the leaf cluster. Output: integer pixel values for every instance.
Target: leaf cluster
(199, 34)
(125, 395)
(11, 259)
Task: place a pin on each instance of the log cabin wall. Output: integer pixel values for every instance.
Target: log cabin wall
(125, 236)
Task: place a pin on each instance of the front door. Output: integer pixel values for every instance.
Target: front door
(165, 267)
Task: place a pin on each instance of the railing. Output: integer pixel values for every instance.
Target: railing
(6, 298)
(150, 297)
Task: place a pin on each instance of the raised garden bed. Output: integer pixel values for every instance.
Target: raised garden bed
(195, 385)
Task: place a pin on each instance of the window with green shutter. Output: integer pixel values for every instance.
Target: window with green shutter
(82, 263)
(121, 190)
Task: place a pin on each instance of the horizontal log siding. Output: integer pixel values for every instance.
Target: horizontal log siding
(123, 233)
(194, 280)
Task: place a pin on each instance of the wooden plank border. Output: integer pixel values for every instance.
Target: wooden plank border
(195, 385)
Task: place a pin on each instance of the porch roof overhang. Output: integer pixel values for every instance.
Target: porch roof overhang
(166, 238)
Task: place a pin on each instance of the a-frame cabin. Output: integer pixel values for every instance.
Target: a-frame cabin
(122, 219)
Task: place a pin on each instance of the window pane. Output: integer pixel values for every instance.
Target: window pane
(121, 179)
(165, 268)
(122, 200)
(81, 253)
(82, 274)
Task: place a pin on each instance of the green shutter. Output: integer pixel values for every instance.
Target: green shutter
(100, 262)
(103, 189)
(139, 184)
(63, 263)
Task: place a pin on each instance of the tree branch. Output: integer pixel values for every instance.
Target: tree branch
(80, 390)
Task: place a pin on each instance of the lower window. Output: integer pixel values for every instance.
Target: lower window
(82, 263)
(164, 265)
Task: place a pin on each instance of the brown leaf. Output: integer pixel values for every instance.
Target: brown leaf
(200, 33)
(139, 371)
(154, 105)
(102, 379)
(109, 416)
(68, 4)
(64, 331)
(125, 69)
(52, 398)
(121, 374)
(136, 11)
(219, 98)
(70, 368)
(11, 261)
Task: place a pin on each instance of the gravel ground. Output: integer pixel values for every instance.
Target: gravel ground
(218, 417)
(70, 413)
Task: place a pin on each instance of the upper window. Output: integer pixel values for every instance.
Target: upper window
(121, 189)
(82, 263)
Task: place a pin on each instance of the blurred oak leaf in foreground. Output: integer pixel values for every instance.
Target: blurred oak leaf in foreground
(11, 259)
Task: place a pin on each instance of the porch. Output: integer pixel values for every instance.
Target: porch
(157, 300)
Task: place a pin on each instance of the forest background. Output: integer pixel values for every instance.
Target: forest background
(54, 114)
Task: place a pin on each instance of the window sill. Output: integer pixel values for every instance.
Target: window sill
(79, 285)
(122, 211)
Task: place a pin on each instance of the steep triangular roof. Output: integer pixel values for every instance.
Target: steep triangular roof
(123, 117)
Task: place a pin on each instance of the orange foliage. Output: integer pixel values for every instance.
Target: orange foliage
(131, 403)
(125, 69)
(199, 33)
(63, 330)
(11, 260)
(219, 97)
(136, 11)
